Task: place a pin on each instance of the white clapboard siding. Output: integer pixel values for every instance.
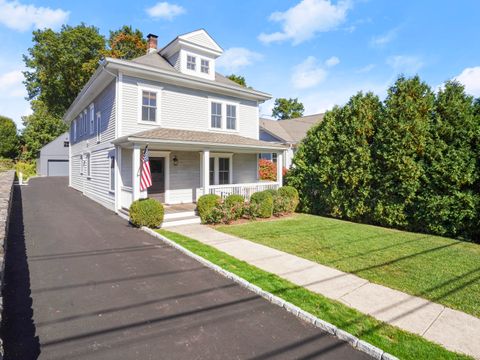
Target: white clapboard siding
(181, 108)
(244, 168)
(185, 177)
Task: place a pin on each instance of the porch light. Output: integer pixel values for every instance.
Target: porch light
(175, 160)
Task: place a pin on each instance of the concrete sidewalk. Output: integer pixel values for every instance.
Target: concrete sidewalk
(453, 329)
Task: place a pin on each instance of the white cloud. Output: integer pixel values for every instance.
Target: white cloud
(17, 16)
(405, 64)
(384, 39)
(308, 74)
(332, 61)
(235, 58)
(12, 95)
(304, 20)
(11, 84)
(165, 10)
(366, 68)
(470, 78)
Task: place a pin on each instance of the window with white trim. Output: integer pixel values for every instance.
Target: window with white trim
(88, 164)
(92, 119)
(99, 123)
(191, 62)
(84, 122)
(212, 171)
(223, 171)
(216, 121)
(149, 106)
(231, 117)
(74, 125)
(274, 157)
(112, 173)
(205, 66)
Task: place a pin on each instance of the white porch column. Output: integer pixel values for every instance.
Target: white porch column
(280, 168)
(205, 170)
(118, 177)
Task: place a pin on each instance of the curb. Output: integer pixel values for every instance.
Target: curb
(355, 342)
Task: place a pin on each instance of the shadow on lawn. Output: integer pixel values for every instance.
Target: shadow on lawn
(18, 328)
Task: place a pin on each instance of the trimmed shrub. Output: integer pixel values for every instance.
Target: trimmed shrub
(290, 198)
(146, 212)
(263, 201)
(273, 192)
(205, 204)
(235, 205)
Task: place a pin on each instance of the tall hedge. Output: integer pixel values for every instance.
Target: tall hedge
(409, 162)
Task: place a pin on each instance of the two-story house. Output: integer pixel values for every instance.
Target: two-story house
(201, 128)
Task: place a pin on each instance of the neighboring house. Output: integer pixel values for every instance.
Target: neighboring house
(53, 158)
(201, 128)
(288, 132)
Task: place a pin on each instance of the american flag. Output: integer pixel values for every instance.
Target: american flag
(145, 174)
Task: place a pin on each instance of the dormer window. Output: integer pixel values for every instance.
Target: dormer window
(191, 62)
(205, 66)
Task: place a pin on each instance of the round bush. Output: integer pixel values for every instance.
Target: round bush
(290, 194)
(235, 205)
(263, 203)
(205, 205)
(146, 212)
(273, 192)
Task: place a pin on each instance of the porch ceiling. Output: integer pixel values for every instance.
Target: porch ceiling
(198, 140)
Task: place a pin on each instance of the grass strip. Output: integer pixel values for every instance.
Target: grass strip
(397, 342)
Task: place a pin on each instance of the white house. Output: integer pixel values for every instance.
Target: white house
(201, 128)
(289, 132)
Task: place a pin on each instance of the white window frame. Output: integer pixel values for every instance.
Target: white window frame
(74, 130)
(194, 57)
(98, 122)
(221, 115)
(158, 92)
(111, 157)
(203, 66)
(91, 118)
(88, 160)
(224, 104)
(216, 168)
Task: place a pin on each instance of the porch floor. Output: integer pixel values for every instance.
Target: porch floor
(178, 208)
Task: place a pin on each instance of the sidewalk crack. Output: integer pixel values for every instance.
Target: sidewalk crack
(433, 321)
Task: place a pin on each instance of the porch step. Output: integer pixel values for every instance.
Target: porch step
(177, 221)
(179, 215)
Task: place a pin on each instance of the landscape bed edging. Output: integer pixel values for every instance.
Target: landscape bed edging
(351, 339)
(6, 195)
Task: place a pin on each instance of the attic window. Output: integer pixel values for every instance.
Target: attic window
(205, 66)
(191, 62)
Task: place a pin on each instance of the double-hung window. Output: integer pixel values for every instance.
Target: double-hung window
(191, 62)
(99, 122)
(205, 66)
(212, 171)
(112, 173)
(223, 171)
(231, 117)
(92, 119)
(149, 106)
(216, 121)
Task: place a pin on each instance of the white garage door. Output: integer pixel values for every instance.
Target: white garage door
(57, 168)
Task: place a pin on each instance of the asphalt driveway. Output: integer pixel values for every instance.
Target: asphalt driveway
(82, 284)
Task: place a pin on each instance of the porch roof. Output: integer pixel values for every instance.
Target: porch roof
(197, 138)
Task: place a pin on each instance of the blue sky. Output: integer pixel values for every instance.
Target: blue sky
(320, 51)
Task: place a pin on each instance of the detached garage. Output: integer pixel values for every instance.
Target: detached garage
(53, 159)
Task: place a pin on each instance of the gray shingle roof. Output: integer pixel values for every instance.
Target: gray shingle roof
(158, 61)
(189, 136)
(292, 130)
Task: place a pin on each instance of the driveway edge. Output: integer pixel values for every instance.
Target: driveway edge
(6, 194)
(355, 342)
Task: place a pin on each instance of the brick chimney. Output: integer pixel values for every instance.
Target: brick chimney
(151, 43)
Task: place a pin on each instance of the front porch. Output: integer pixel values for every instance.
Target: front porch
(182, 172)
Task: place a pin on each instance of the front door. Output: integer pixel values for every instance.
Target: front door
(157, 168)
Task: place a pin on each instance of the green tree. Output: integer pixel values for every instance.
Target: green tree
(238, 79)
(399, 149)
(449, 199)
(60, 64)
(334, 166)
(287, 109)
(9, 142)
(41, 127)
(126, 43)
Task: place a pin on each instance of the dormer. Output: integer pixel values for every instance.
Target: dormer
(193, 54)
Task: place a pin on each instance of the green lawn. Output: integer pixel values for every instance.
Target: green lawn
(444, 270)
(400, 343)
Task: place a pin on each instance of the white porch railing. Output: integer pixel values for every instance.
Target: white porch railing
(245, 190)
